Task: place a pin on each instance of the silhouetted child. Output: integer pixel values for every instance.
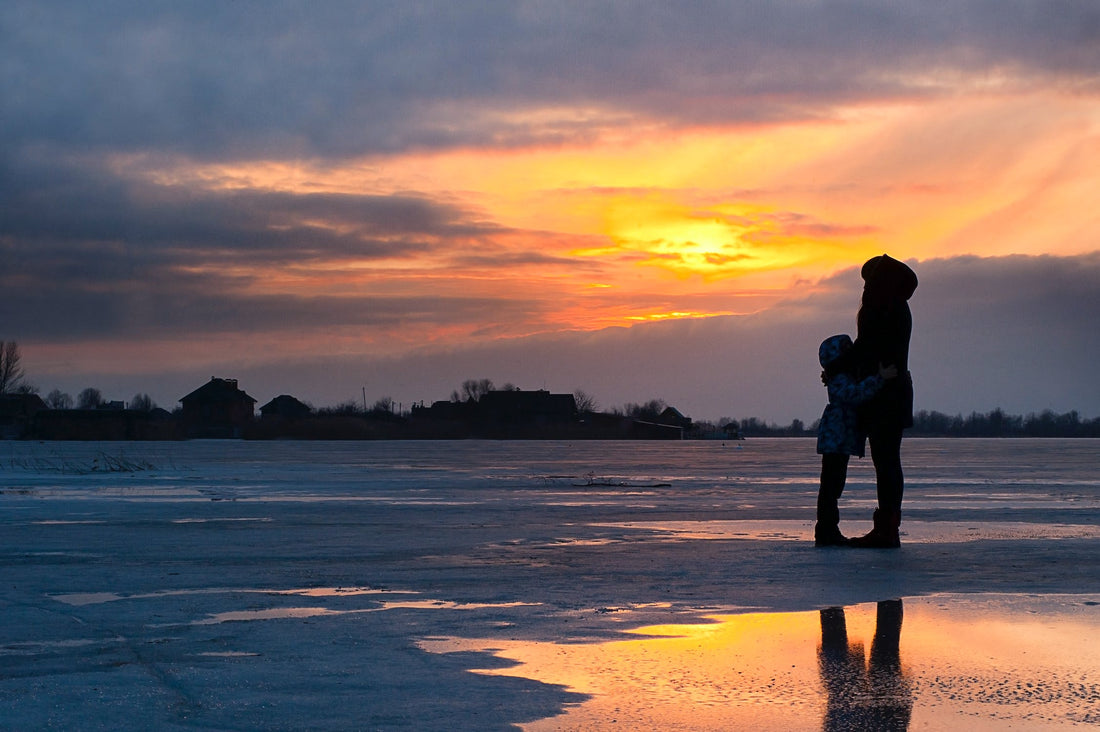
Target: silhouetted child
(838, 434)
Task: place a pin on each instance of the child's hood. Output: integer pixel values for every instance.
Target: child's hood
(833, 348)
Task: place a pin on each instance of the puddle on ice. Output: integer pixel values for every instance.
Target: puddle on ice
(273, 613)
(981, 662)
(95, 598)
(277, 613)
(338, 591)
(219, 520)
(80, 599)
(60, 522)
(33, 648)
(916, 532)
(448, 605)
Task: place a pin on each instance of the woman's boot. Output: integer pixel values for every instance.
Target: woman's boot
(885, 533)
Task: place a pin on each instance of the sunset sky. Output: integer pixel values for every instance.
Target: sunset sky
(637, 199)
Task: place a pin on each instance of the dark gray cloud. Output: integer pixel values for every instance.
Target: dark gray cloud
(45, 200)
(193, 313)
(88, 254)
(288, 79)
(1017, 332)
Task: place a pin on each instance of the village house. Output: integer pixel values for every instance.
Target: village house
(218, 408)
(516, 408)
(17, 413)
(673, 416)
(285, 406)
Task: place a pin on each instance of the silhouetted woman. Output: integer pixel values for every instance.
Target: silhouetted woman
(884, 327)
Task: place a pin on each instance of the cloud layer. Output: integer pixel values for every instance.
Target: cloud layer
(330, 194)
(272, 79)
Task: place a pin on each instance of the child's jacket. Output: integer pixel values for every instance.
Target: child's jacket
(839, 432)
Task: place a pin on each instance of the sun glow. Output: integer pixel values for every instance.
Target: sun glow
(675, 315)
(615, 229)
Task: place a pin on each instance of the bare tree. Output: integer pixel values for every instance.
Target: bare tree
(11, 368)
(58, 399)
(345, 409)
(90, 398)
(142, 403)
(648, 411)
(472, 389)
(385, 404)
(586, 403)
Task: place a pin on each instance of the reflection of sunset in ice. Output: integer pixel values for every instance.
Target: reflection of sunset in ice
(741, 672)
(988, 661)
(914, 531)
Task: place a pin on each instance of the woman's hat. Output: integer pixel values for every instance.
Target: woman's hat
(885, 275)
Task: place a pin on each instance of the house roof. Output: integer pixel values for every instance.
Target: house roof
(673, 416)
(217, 390)
(20, 405)
(285, 403)
(283, 399)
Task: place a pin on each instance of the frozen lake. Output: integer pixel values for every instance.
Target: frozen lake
(543, 585)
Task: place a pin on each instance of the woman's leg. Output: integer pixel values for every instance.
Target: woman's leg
(889, 479)
(886, 455)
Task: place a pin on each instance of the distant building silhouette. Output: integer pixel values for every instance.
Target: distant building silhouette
(218, 408)
(108, 423)
(446, 411)
(502, 410)
(672, 416)
(732, 431)
(17, 413)
(500, 414)
(517, 414)
(285, 406)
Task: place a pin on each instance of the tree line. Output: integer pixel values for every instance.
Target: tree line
(996, 423)
(999, 424)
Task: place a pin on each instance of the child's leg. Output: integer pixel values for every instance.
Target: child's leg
(834, 473)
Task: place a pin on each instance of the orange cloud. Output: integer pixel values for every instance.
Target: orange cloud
(711, 214)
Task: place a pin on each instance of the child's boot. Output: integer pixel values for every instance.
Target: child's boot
(825, 535)
(827, 529)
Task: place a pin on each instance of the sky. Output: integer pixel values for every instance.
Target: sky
(641, 200)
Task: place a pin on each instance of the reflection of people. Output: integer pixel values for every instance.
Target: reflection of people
(885, 324)
(838, 434)
(859, 696)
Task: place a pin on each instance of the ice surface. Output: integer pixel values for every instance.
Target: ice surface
(397, 585)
